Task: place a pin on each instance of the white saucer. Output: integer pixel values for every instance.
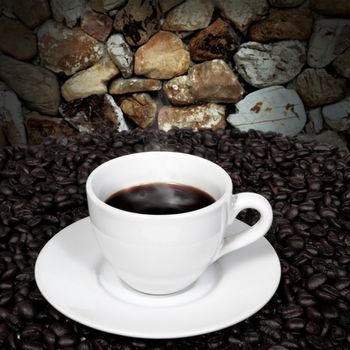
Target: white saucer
(71, 274)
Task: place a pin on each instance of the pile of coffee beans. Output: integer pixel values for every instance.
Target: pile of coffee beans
(42, 190)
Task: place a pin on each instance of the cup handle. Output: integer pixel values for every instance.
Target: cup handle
(238, 203)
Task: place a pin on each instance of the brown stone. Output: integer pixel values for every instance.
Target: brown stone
(67, 50)
(31, 12)
(338, 8)
(36, 86)
(342, 64)
(216, 41)
(178, 92)
(211, 116)
(138, 20)
(97, 25)
(140, 108)
(166, 5)
(16, 39)
(126, 86)
(93, 113)
(39, 127)
(214, 81)
(316, 87)
(162, 57)
(283, 24)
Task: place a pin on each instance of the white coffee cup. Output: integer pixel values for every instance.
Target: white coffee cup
(161, 254)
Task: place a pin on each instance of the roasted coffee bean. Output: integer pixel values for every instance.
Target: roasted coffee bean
(293, 324)
(291, 311)
(316, 281)
(312, 327)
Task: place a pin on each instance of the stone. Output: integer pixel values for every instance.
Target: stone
(214, 81)
(206, 116)
(218, 40)
(40, 127)
(162, 57)
(328, 137)
(274, 109)
(126, 86)
(121, 54)
(31, 12)
(190, 15)
(286, 3)
(166, 5)
(67, 50)
(97, 25)
(138, 20)
(337, 115)
(16, 39)
(106, 5)
(36, 86)
(94, 113)
(283, 24)
(92, 81)
(342, 64)
(315, 117)
(339, 8)
(11, 117)
(68, 11)
(140, 108)
(331, 37)
(242, 12)
(178, 92)
(316, 87)
(263, 65)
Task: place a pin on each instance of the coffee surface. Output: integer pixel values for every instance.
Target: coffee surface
(160, 198)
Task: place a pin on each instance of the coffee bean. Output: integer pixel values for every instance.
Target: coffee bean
(316, 281)
(291, 311)
(293, 324)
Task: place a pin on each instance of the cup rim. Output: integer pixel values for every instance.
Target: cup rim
(97, 201)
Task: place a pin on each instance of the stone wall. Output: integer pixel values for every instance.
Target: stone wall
(69, 66)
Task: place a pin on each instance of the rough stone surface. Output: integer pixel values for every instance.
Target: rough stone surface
(93, 113)
(67, 50)
(337, 115)
(331, 36)
(342, 64)
(106, 5)
(92, 81)
(286, 3)
(121, 54)
(166, 5)
(316, 87)
(242, 12)
(11, 117)
(209, 115)
(214, 81)
(31, 12)
(274, 109)
(315, 117)
(126, 86)
(190, 15)
(97, 25)
(218, 40)
(263, 65)
(141, 108)
(16, 39)
(338, 8)
(40, 126)
(162, 57)
(328, 137)
(138, 20)
(36, 86)
(68, 11)
(283, 24)
(178, 92)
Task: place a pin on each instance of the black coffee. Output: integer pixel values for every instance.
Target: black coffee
(160, 198)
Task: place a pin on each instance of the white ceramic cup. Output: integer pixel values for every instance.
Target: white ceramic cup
(161, 254)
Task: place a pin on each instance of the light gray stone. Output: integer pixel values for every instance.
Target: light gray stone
(106, 5)
(274, 109)
(315, 117)
(68, 11)
(121, 54)
(331, 36)
(286, 3)
(11, 117)
(263, 65)
(328, 137)
(337, 115)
